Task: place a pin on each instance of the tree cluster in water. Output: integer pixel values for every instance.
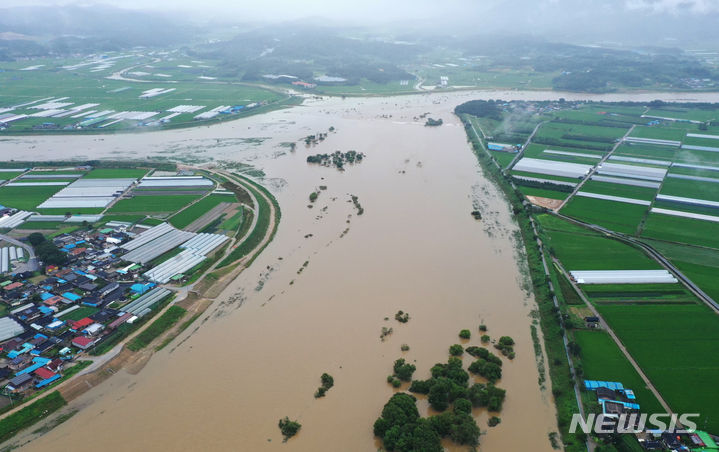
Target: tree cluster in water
(337, 159)
(316, 138)
(327, 383)
(400, 425)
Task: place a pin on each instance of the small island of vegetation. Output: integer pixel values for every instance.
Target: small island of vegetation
(289, 428)
(338, 159)
(327, 383)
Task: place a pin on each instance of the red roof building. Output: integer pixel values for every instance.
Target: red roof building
(44, 373)
(55, 300)
(12, 286)
(55, 365)
(82, 342)
(77, 251)
(82, 323)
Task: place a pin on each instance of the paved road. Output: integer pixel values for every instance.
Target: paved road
(520, 154)
(594, 169)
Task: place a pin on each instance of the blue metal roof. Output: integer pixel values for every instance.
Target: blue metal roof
(594, 384)
(71, 296)
(47, 381)
(629, 405)
(39, 362)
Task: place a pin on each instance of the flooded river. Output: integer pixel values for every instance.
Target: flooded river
(316, 299)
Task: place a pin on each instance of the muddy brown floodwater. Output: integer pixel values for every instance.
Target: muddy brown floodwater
(259, 351)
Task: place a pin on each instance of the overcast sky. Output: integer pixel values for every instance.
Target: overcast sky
(671, 23)
(393, 9)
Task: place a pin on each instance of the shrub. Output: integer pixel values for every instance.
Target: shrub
(439, 395)
(327, 380)
(506, 345)
(483, 328)
(494, 421)
(463, 406)
(327, 383)
(401, 428)
(289, 428)
(481, 352)
(465, 334)
(403, 370)
(402, 317)
(485, 338)
(506, 341)
(489, 370)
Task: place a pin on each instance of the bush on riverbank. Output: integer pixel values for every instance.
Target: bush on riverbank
(29, 415)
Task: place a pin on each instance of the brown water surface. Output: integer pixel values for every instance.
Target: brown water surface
(260, 349)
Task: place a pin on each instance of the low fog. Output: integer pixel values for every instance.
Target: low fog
(621, 22)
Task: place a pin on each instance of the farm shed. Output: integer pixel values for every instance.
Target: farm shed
(573, 154)
(639, 202)
(623, 277)
(143, 304)
(552, 168)
(703, 135)
(620, 158)
(545, 181)
(633, 171)
(679, 213)
(175, 181)
(88, 193)
(689, 165)
(653, 141)
(689, 201)
(691, 147)
(626, 181)
(9, 328)
(14, 220)
(158, 246)
(695, 178)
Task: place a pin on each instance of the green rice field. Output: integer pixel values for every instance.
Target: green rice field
(152, 204)
(638, 293)
(602, 360)
(26, 198)
(618, 216)
(683, 230)
(197, 210)
(675, 346)
(571, 244)
(626, 191)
